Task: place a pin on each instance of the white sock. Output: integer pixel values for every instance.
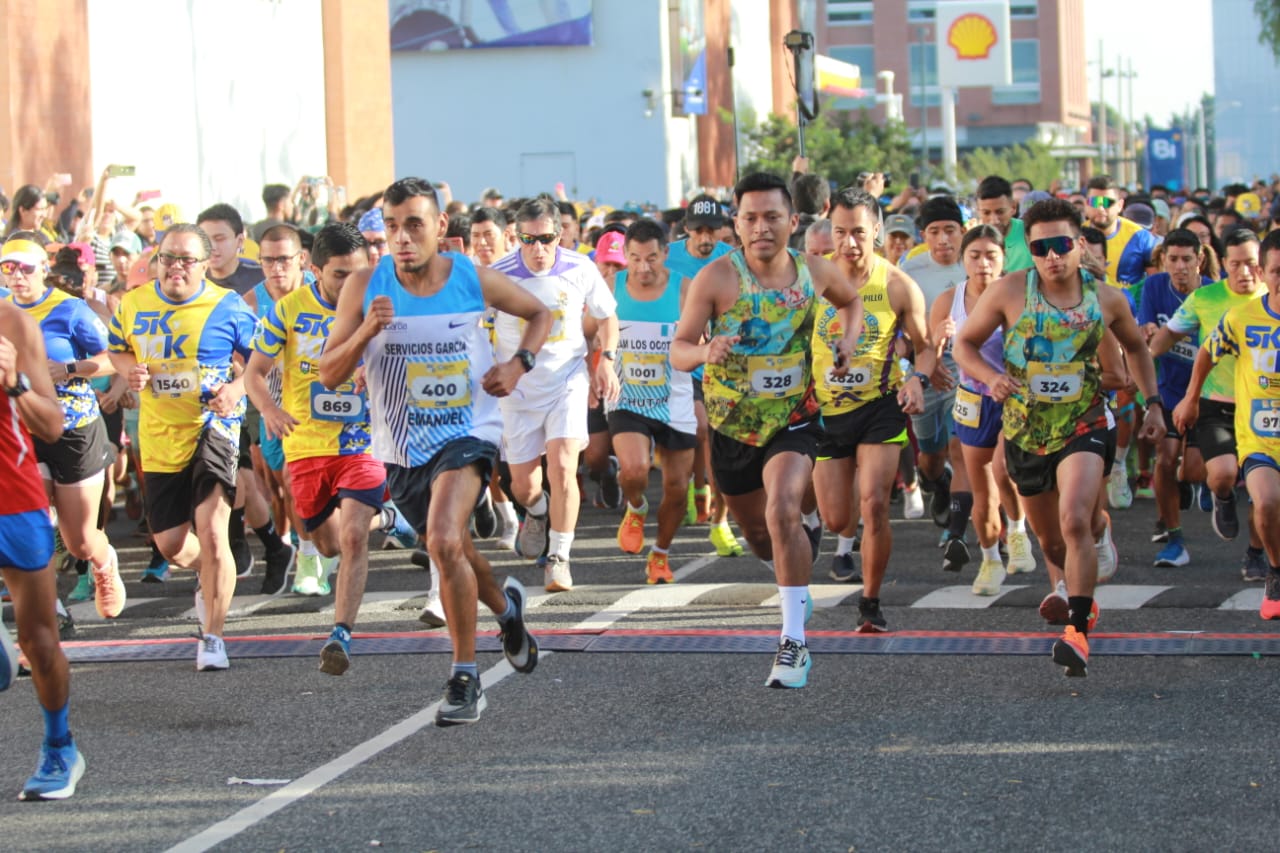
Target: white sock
(793, 599)
(1121, 453)
(538, 507)
(560, 544)
(810, 519)
(308, 548)
(992, 553)
(643, 509)
(844, 545)
(435, 576)
(507, 512)
(1017, 525)
(57, 606)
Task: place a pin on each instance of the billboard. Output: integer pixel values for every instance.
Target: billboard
(974, 43)
(1166, 153)
(689, 58)
(456, 24)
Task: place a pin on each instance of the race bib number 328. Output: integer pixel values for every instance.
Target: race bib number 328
(777, 376)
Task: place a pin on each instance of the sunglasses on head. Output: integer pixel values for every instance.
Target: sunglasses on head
(544, 239)
(1101, 201)
(1058, 245)
(10, 267)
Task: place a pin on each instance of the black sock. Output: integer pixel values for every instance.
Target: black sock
(235, 528)
(961, 509)
(82, 567)
(1254, 552)
(871, 602)
(270, 539)
(343, 625)
(157, 559)
(1079, 608)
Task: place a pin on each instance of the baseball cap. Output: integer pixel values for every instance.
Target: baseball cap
(1248, 204)
(703, 212)
(128, 241)
(899, 224)
(1161, 207)
(1143, 214)
(166, 216)
(609, 249)
(492, 194)
(85, 253)
(140, 272)
(24, 252)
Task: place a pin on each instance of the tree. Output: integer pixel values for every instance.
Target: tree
(838, 145)
(1268, 12)
(1033, 160)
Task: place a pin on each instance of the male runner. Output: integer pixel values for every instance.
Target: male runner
(996, 207)
(1057, 426)
(762, 302)
(414, 320)
(374, 233)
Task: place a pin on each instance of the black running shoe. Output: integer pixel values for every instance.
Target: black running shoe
(844, 569)
(815, 539)
(956, 554)
(1185, 495)
(241, 553)
(610, 489)
(463, 701)
(1161, 533)
(519, 646)
(484, 520)
(276, 580)
(871, 618)
(1225, 521)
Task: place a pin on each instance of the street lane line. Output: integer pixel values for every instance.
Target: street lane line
(961, 598)
(1125, 596)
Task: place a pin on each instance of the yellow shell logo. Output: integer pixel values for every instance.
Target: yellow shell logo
(972, 36)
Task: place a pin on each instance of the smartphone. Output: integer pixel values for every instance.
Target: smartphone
(148, 195)
(63, 179)
(114, 171)
(914, 181)
(454, 244)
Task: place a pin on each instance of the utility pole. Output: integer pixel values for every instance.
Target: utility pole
(1102, 111)
(924, 111)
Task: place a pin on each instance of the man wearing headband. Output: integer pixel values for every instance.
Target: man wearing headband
(375, 233)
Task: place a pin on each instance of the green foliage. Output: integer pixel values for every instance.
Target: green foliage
(1032, 160)
(838, 146)
(1268, 13)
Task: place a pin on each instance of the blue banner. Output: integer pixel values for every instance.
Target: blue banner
(1166, 153)
(457, 24)
(695, 87)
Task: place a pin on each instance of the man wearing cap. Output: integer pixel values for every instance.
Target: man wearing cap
(1129, 245)
(491, 197)
(125, 249)
(374, 232)
(996, 208)
(901, 237)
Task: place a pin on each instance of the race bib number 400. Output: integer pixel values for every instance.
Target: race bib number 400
(439, 386)
(1055, 383)
(341, 404)
(1265, 418)
(777, 376)
(174, 378)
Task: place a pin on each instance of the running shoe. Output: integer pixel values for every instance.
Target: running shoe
(399, 532)
(690, 506)
(1118, 492)
(725, 543)
(463, 701)
(990, 577)
(211, 654)
(610, 490)
(276, 579)
(1108, 556)
(57, 773)
(1054, 608)
(658, 569)
(1160, 533)
(243, 556)
(956, 554)
(110, 595)
(1185, 495)
(8, 659)
(66, 626)
(157, 573)
(631, 530)
(1254, 567)
(1225, 521)
(940, 499)
(484, 521)
(310, 578)
(518, 645)
(1021, 557)
(532, 539)
(1071, 651)
(508, 538)
(702, 498)
(1205, 498)
(844, 569)
(556, 576)
(1271, 597)
(335, 657)
(83, 590)
(1142, 488)
(1174, 553)
(815, 540)
(790, 665)
(912, 503)
(871, 618)
(432, 614)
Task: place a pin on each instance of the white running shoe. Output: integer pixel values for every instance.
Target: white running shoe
(990, 576)
(1108, 557)
(1021, 557)
(912, 503)
(433, 614)
(211, 654)
(1119, 495)
(556, 576)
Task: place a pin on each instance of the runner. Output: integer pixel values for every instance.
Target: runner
(175, 340)
(761, 405)
(1057, 426)
(654, 408)
(414, 320)
(26, 543)
(864, 410)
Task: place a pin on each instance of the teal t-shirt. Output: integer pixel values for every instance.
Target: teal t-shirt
(1016, 254)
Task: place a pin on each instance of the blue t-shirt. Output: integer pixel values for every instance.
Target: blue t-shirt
(1160, 301)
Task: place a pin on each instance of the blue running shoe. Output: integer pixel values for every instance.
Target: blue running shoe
(790, 665)
(8, 659)
(1174, 553)
(156, 574)
(56, 776)
(399, 531)
(335, 657)
(1206, 498)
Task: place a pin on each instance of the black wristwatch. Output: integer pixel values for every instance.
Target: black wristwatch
(609, 354)
(527, 359)
(22, 386)
(71, 368)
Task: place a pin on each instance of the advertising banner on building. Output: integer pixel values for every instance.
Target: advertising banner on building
(456, 24)
(689, 58)
(1166, 155)
(974, 43)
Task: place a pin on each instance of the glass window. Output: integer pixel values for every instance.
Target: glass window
(929, 51)
(922, 10)
(1026, 75)
(1022, 10)
(862, 56)
(850, 12)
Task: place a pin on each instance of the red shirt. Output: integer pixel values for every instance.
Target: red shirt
(23, 489)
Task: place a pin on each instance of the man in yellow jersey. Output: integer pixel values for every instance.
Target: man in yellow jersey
(174, 341)
(762, 301)
(1058, 433)
(1129, 245)
(864, 411)
(1250, 335)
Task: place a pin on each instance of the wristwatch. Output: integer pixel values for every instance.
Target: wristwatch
(527, 359)
(71, 368)
(609, 354)
(923, 377)
(22, 386)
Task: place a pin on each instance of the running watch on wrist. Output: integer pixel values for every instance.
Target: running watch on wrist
(609, 354)
(71, 368)
(924, 379)
(22, 386)
(527, 359)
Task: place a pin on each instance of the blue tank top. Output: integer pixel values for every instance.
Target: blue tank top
(650, 385)
(424, 369)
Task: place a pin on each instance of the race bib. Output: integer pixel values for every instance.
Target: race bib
(1184, 350)
(968, 408)
(1265, 419)
(776, 376)
(644, 368)
(445, 385)
(174, 378)
(556, 334)
(342, 405)
(857, 378)
(1055, 383)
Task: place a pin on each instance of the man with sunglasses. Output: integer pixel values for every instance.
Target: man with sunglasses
(1058, 429)
(548, 413)
(175, 341)
(1129, 245)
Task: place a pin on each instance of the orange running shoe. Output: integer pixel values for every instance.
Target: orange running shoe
(631, 530)
(111, 597)
(1271, 598)
(1072, 652)
(658, 569)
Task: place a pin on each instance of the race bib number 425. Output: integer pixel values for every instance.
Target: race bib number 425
(777, 376)
(1055, 383)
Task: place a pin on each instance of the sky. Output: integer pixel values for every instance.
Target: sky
(1172, 54)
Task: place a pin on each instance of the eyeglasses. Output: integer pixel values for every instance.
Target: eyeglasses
(184, 261)
(1058, 245)
(282, 261)
(10, 267)
(1102, 201)
(380, 245)
(544, 239)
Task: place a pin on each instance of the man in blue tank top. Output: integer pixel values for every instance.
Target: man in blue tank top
(414, 323)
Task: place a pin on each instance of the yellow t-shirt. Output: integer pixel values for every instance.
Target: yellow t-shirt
(1251, 333)
(873, 370)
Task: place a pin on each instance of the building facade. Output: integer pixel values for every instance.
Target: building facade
(1246, 114)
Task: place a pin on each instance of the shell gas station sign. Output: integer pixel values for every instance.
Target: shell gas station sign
(973, 43)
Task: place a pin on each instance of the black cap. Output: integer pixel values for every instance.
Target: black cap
(703, 212)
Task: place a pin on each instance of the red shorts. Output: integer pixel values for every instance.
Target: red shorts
(318, 483)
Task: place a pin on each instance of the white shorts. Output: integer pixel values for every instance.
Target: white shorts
(525, 431)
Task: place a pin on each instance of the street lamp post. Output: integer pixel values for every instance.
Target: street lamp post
(924, 109)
